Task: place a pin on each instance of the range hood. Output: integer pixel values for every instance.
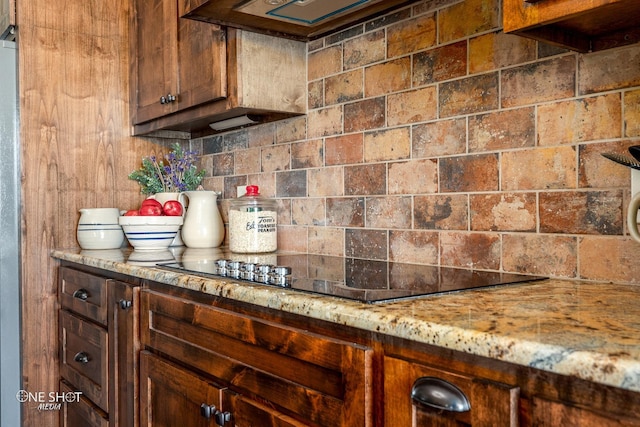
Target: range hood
(303, 12)
(299, 19)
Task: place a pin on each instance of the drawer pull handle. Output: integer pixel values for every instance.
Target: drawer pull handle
(124, 304)
(81, 294)
(81, 357)
(439, 394)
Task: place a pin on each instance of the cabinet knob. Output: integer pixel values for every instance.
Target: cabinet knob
(208, 411)
(81, 357)
(124, 304)
(81, 294)
(167, 99)
(439, 394)
(222, 418)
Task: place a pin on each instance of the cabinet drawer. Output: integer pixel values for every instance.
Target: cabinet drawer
(80, 413)
(83, 357)
(415, 395)
(320, 379)
(84, 294)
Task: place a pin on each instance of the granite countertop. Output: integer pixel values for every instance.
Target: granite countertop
(587, 330)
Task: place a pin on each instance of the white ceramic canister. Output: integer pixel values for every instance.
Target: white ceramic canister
(98, 228)
(253, 223)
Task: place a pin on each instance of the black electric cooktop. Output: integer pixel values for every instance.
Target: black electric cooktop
(363, 280)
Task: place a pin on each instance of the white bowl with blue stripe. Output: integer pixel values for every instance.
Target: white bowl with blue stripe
(150, 233)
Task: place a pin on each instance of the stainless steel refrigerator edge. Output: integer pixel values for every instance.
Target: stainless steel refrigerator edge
(10, 361)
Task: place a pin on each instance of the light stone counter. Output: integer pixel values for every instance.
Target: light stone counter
(586, 330)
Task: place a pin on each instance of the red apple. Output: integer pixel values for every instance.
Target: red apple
(151, 202)
(172, 208)
(150, 210)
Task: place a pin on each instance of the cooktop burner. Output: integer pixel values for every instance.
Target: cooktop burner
(363, 280)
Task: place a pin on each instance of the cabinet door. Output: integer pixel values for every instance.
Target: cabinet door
(173, 57)
(155, 58)
(172, 396)
(124, 345)
(202, 63)
(420, 395)
(81, 412)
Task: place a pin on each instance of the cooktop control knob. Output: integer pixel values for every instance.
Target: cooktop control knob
(280, 276)
(221, 267)
(248, 271)
(233, 269)
(262, 273)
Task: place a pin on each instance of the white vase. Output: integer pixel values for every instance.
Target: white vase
(203, 226)
(163, 198)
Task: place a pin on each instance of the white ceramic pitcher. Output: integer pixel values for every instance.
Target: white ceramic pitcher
(203, 226)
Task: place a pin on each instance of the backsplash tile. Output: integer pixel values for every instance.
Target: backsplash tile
(585, 119)
(442, 63)
(502, 130)
(365, 50)
(411, 35)
(469, 95)
(503, 212)
(441, 212)
(478, 172)
(539, 169)
(581, 212)
(343, 87)
(433, 139)
(532, 83)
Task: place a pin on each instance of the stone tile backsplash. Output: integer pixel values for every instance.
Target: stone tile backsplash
(433, 139)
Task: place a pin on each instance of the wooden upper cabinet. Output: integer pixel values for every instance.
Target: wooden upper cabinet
(579, 25)
(186, 74)
(179, 63)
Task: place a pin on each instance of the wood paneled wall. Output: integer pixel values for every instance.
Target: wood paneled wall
(76, 152)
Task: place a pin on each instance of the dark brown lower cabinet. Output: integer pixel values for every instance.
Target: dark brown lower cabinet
(170, 357)
(254, 371)
(99, 346)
